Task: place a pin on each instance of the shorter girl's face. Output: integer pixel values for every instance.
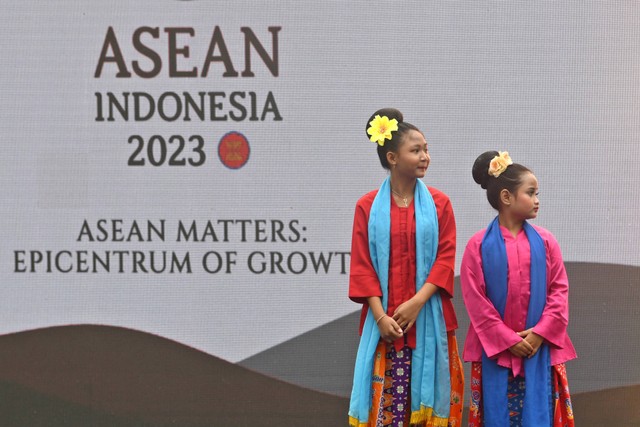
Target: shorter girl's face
(412, 158)
(525, 202)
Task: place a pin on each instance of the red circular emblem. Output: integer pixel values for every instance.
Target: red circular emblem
(233, 150)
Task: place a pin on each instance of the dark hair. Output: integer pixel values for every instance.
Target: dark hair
(510, 179)
(396, 136)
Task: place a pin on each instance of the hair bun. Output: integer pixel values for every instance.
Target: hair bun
(480, 170)
(391, 113)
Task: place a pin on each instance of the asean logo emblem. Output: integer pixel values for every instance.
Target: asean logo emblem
(234, 150)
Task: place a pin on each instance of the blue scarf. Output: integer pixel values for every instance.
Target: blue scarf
(537, 369)
(430, 381)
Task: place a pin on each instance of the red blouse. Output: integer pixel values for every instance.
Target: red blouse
(363, 281)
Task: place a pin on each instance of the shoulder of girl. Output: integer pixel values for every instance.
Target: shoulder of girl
(368, 197)
(545, 234)
(542, 231)
(476, 238)
(438, 196)
(366, 200)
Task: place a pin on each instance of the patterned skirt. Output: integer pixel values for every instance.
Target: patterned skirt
(560, 399)
(391, 404)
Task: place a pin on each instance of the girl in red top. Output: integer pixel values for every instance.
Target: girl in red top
(402, 268)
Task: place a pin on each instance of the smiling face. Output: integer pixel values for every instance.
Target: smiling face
(411, 160)
(524, 203)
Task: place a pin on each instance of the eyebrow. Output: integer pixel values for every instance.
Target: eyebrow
(419, 144)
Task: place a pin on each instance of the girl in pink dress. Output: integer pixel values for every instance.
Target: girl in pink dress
(515, 289)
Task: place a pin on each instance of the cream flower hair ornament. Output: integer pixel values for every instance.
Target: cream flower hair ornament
(499, 163)
(380, 129)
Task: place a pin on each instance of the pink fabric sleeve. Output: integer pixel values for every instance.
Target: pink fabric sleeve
(494, 335)
(552, 325)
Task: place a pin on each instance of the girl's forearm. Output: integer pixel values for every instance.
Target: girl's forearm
(375, 303)
(426, 292)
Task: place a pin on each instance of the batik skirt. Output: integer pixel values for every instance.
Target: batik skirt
(391, 404)
(560, 399)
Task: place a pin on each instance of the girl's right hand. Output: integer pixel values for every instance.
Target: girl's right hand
(521, 349)
(389, 329)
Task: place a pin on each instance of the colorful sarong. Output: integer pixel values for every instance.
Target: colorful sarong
(561, 409)
(391, 405)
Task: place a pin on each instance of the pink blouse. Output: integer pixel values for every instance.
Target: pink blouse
(493, 334)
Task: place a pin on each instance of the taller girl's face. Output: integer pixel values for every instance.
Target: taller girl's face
(412, 158)
(525, 203)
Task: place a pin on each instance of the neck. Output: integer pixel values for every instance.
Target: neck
(512, 224)
(404, 187)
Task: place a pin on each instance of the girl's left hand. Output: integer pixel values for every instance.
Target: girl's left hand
(407, 313)
(532, 338)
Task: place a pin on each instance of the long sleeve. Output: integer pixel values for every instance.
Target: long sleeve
(363, 281)
(494, 335)
(552, 325)
(442, 272)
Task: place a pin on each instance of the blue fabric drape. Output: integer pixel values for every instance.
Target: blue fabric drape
(494, 377)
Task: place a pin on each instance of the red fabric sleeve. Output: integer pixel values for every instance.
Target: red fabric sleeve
(442, 272)
(363, 281)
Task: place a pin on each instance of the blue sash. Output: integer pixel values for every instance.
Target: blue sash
(430, 381)
(536, 411)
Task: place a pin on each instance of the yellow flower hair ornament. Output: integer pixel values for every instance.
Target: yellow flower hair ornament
(499, 163)
(380, 129)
